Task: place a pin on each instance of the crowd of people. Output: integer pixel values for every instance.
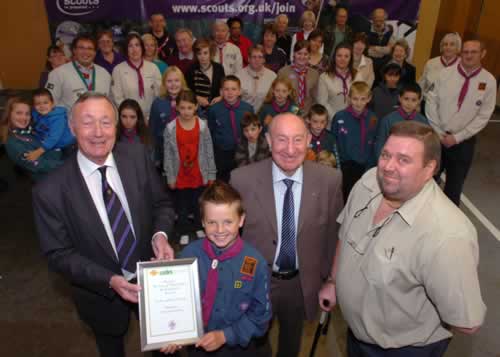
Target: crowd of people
(298, 125)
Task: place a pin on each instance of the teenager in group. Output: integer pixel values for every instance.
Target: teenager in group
(334, 84)
(227, 54)
(151, 52)
(385, 97)
(50, 125)
(188, 159)
(17, 135)
(241, 277)
(275, 57)
(131, 124)
(205, 76)
(163, 109)
(136, 78)
(224, 120)
(409, 102)
(303, 78)
(253, 146)
(106, 55)
(281, 98)
(355, 130)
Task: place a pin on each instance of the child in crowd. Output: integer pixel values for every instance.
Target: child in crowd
(409, 102)
(234, 279)
(253, 146)
(385, 94)
(163, 109)
(224, 120)
(50, 125)
(189, 158)
(281, 98)
(355, 130)
(17, 135)
(321, 138)
(131, 123)
(326, 158)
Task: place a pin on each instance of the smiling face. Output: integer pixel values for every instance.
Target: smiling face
(472, 55)
(341, 17)
(20, 116)
(359, 101)
(281, 93)
(84, 52)
(93, 122)
(56, 58)
(220, 33)
(358, 48)
(401, 172)
(288, 139)
(301, 58)
(318, 123)
(399, 54)
(222, 223)
(315, 43)
(105, 44)
(173, 84)
(43, 104)
(157, 23)
(449, 48)
(409, 101)
(184, 43)
(342, 58)
(150, 48)
(269, 39)
(231, 91)
(256, 60)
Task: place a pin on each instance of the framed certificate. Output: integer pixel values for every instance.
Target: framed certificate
(169, 303)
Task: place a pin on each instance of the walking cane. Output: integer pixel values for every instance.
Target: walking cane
(322, 328)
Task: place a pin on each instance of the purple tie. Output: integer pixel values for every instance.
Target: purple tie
(125, 241)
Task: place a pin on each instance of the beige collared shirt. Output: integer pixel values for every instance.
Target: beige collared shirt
(399, 280)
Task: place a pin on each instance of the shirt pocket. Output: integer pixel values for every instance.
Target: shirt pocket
(379, 267)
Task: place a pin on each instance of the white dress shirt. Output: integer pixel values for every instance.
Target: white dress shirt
(279, 189)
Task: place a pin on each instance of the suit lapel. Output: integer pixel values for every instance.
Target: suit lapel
(87, 211)
(309, 196)
(264, 191)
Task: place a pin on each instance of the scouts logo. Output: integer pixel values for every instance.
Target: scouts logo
(248, 267)
(50, 86)
(482, 86)
(238, 284)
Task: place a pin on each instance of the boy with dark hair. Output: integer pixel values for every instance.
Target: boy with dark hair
(385, 94)
(253, 146)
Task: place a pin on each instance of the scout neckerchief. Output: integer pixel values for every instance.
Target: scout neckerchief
(407, 116)
(362, 125)
(89, 82)
(280, 108)
(139, 76)
(317, 139)
(232, 117)
(301, 79)
(221, 52)
(23, 134)
(130, 134)
(213, 274)
(345, 86)
(173, 107)
(447, 64)
(465, 86)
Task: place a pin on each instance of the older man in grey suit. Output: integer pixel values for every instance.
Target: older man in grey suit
(291, 208)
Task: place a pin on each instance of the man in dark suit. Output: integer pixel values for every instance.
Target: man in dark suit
(99, 214)
(291, 209)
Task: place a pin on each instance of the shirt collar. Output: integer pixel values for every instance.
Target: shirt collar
(188, 57)
(279, 175)
(410, 210)
(88, 167)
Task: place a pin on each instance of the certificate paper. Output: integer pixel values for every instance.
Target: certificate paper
(169, 303)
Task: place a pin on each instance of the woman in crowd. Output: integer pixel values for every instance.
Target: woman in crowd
(55, 58)
(317, 60)
(136, 78)
(399, 53)
(275, 57)
(205, 75)
(307, 24)
(106, 56)
(151, 52)
(304, 79)
(334, 84)
(450, 46)
(361, 63)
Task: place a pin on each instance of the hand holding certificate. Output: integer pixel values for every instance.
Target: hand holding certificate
(169, 303)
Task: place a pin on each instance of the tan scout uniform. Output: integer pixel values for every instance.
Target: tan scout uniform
(400, 279)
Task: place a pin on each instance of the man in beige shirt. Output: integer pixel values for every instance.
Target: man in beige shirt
(405, 271)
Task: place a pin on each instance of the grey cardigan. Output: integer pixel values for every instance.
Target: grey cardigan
(205, 153)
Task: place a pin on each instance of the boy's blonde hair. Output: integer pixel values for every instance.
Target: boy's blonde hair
(326, 158)
(360, 88)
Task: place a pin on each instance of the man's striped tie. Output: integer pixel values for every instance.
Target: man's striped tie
(286, 257)
(125, 241)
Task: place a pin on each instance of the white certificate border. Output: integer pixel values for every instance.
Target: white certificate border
(192, 264)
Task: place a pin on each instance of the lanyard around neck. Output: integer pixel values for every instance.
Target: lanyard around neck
(80, 74)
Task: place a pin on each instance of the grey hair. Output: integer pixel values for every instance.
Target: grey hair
(91, 95)
(451, 36)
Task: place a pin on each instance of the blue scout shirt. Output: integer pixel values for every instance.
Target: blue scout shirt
(351, 146)
(242, 308)
(219, 123)
(52, 129)
(159, 116)
(385, 125)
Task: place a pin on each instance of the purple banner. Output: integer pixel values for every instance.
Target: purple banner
(87, 11)
(404, 10)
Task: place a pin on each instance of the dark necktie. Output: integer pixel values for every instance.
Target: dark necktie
(286, 258)
(125, 241)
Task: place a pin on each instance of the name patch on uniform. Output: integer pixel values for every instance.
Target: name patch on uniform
(248, 267)
(238, 284)
(481, 86)
(50, 86)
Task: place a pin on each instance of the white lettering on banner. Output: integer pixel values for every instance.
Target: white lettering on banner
(77, 7)
(251, 9)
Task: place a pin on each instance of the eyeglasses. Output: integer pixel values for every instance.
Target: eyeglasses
(85, 48)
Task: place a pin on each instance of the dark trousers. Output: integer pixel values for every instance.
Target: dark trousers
(288, 306)
(356, 348)
(224, 162)
(186, 203)
(256, 348)
(456, 162)
(351, 173)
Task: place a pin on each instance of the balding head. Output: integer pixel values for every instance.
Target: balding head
(288, 138)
